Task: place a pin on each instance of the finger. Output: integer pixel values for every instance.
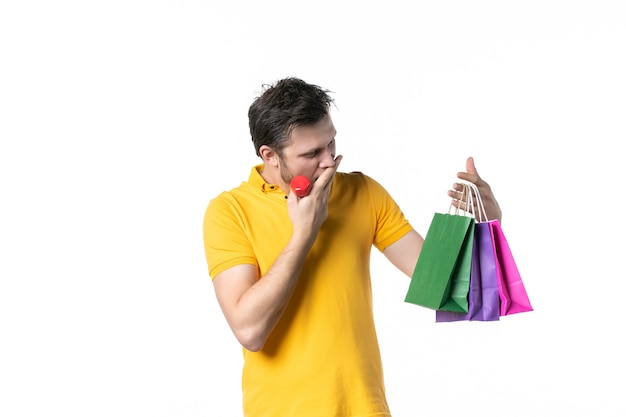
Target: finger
(291, 197)
(470, 167)
(459, 187)
(472, 174)
(455, 194)
(458, 191)
(326, 178)
(338, 160)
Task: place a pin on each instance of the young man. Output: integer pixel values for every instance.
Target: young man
(292, 274)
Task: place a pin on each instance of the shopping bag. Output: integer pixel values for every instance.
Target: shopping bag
(489, 309)
(483, 297)
(474, 295)
(496, 287)
(441, 276)
(512, 292)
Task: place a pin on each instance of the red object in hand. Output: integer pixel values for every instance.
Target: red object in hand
(301, 186)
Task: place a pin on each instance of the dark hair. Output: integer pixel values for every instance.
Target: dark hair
(282, 107)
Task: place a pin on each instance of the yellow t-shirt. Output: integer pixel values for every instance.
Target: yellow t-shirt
(322, 358)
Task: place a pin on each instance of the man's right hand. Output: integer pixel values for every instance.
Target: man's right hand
(307, 214)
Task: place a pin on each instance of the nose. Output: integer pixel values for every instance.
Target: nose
(328, 159)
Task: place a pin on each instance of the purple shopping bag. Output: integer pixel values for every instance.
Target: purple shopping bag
(513, 296)
(490, 306)
(483, 297)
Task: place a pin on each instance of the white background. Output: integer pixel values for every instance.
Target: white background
(120, 120)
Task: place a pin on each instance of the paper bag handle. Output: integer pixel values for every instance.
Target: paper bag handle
(480, 207)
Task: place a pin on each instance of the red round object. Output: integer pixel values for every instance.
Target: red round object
(301, 185)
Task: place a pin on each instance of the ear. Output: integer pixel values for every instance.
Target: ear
(269, 156)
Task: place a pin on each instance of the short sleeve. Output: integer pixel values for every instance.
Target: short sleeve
(391, 224)
(225, 241)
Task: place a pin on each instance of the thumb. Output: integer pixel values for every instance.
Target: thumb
(291, 197)
(470, 167)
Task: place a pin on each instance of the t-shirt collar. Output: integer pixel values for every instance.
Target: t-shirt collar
(258, 182)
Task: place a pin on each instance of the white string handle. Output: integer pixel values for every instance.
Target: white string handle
(468, 195)
(467, 198)
(482, 213)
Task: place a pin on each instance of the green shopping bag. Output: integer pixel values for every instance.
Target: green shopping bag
(441, 277)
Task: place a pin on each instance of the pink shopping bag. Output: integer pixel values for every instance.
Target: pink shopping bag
(513, 296)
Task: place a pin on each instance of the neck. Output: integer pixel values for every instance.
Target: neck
(272, 176)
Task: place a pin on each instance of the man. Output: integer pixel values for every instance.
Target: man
(291, 275)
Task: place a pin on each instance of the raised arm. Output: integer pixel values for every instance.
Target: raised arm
(253, 306)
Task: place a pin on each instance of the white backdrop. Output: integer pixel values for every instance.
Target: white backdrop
(120, 120)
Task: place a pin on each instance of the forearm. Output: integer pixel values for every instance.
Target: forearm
(261, 306)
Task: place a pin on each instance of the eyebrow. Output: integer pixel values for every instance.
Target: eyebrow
(314, 150)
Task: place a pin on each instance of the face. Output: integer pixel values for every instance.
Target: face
(310, 151)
